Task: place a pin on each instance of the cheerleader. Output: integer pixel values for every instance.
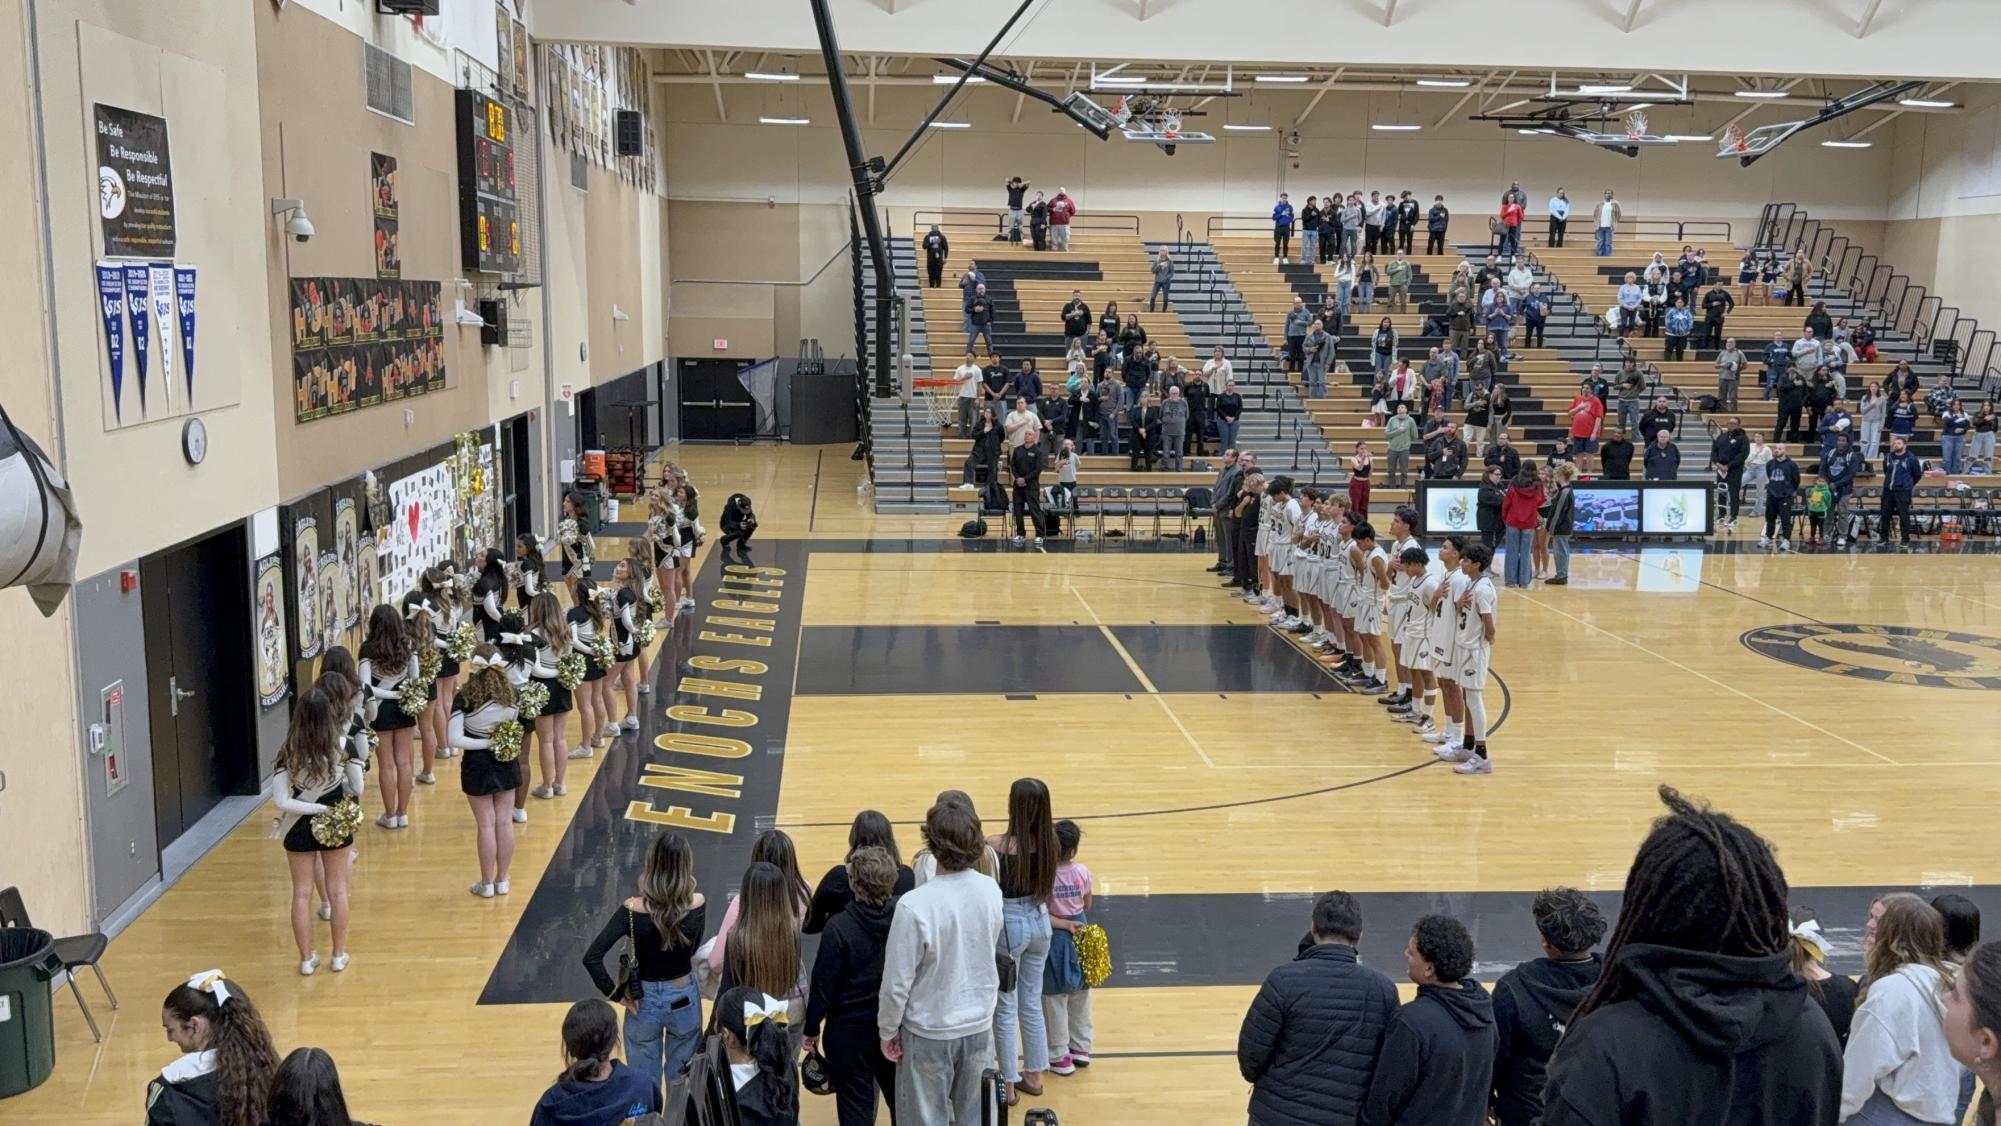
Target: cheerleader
(488, 594)
(440, 587)
(574, 535)
(625, 627)
(420, 619)
(517, 654)
(317, 771)
(224, 1076)
(588, 621)
(526, 576)
(387, 662)
(552, 640)
(645, 614)
(688, 526)
(663, 539)
(486, 702)
(340, 679)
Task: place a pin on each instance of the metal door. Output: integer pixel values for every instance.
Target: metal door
(115, 741)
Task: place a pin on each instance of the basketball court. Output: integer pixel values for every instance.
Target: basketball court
(1841, 703)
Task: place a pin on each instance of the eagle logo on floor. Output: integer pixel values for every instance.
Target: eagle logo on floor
(1929, 658)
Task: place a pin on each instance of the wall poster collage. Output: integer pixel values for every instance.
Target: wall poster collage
(357, 342)
(587, 85)
(382, 190)
(268, 613)
(140, 288)
(306, 593)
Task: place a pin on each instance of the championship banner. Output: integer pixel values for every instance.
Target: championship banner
(184, 292)
(136, 281)
(160, 284)
(111, 303)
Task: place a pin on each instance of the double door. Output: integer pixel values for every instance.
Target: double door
(714, 405)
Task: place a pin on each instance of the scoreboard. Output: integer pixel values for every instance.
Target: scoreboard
(489, 213)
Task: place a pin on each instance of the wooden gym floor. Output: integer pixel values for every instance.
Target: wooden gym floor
(1219, 777)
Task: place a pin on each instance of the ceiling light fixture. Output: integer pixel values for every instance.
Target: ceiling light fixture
(949, 79)
(1845, 144)
(1759, 93)
(785, 121)
(1120, 80)
(1234, 128)
(1446, 83)
(951, 125)
(1595, 89)
(1396, 128)
(770, 76)
(1294, 79)
(1926, 103)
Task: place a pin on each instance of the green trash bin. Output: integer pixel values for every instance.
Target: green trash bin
(28, 963)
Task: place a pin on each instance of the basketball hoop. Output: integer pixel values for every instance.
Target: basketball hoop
(1170, 124)
(1733, 141)
(1636, 125)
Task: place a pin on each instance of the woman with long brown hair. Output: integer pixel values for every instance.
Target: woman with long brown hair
(421, 619)
(1973, 1024)
(1029, 856)
(316, 773)
(438, 586)
(773, 847)
(645, 612)
(924, 865)
(1898, 1068)
(551, 634)
(625, 629)
(517, 653)
(663, 925)
(224, 1074)
(483, 704)
(588, 621)
(341, 681)
(387, 662)
(762, 949)
(663, 540)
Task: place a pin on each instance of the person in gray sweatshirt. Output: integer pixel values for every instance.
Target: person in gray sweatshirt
(1173, 428)
(1163, 277)
(1297, 321)
(1110, 394)
(940, 984)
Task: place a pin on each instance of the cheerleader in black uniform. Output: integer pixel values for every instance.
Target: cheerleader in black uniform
(340, 679)
(420, 620)
(225, 1073)
(689, 519)
(387, 660)
(647, 612)
(489, 595)
(526, 575)
(517, 654)
(316, 770)
(625, 622)
(588, 621)
(484, 703)
(663, 539)
(574, 534)
(552, 640)
(441, 586)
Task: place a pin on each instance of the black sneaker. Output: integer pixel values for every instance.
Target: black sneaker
(1372, 688)
(1396, 709)
(1557, 581)
(1402, 696)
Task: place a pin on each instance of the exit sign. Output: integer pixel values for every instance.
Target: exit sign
(721, 344)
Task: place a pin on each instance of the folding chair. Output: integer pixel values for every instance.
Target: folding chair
(1176, 498)
(1147, 494)
(1109, 496)
(77, 950)
(1085, 494)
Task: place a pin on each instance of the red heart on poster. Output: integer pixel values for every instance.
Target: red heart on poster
(416, 511)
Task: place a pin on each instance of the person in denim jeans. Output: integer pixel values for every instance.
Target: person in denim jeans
(1029, 856)
(1519, 513)
(663, 924)
(1229, 409)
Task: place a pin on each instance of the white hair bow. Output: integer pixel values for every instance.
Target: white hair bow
(212, 983)
(768, 1008)
(1809, 933)
(485, 662)
(517, 639)
(420, 606)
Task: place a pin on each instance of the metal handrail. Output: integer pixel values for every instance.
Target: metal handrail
(973, 218)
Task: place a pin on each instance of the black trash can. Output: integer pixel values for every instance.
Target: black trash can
(28, 963)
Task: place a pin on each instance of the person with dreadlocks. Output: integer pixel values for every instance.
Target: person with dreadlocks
(1699, 1016)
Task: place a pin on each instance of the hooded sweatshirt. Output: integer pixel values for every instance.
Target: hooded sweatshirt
(847, 971)
(623, 1094)
(1437, 1066)
(1696, 1037)
(1532, 1006)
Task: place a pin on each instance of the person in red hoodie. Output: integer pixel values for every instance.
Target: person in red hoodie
(1519, 514)
(1061, 209)
(1511, 226)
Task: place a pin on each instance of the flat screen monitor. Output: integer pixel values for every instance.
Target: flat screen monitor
(1674, 511)
(1606, 510)
(1451, 508)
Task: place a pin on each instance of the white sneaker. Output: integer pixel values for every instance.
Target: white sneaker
(427, 778)
(1765, 541)
(685, 604)
(1038, 541)
(964, 488)
(581, 752)
(326, 910)
(521, 817)
(339, 962)
(1441, 737)
(1276, 261)
(484, 891)
(1475, 765)
(1785, 545)
(646, 690)
(402, 821)
(310, 965)
(560, 789)
(500, 887)
(385, 822)
(631, 723)
(610, 731)
(1452, 753)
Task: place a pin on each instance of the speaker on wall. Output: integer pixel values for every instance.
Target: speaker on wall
(407, 7)
(494, 313)
(627, 134)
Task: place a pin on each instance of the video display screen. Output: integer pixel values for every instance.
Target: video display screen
(1451, 508)
(1674, 512)
(1606, 510)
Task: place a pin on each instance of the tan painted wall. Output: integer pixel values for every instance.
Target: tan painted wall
(1945, 208)
(41, 810)
(737, 261)
(599, 252)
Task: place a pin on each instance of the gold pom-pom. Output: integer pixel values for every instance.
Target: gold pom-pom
(1094, 953)
(604, 652)
(336, 826)
(460, 645)
(505, 742)
(429, 661)
(530, 699)
(413, 696)
(645, 632)
(570, 669)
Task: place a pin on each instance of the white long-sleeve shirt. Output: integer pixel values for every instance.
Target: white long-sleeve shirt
(1897, 1045)
(291, 806)
(938, 975)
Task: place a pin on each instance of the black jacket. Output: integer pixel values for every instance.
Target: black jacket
(1652, 420)
(1563, 511)
(1507, 457)
(847, 971)
(1617, 457)
(189, 1102)
(1025, 465)
(1487, 514)
(1437, 1066)
(834, 894)
(1532, 1004)
(1729, 449)
(936, 247)
(1312, 1036)
(1707, 1038)
(1663, 462)
(1782, 478)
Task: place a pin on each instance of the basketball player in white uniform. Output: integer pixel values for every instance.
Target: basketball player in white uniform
(1474, 647)
(1372, 578)
(1399, 605)
(1413, 650)
(1442, 639)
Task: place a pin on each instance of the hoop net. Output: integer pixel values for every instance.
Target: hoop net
(1170, 124)
(1636, 125)
(1733, 141)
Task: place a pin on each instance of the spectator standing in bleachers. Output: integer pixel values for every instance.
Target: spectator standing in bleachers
(1778, 358)
(1076, 318)
(1792, 406)
(1534, 1001)
(1903, 416)
(1200, 404)
(1021, 421)
(1782, 484)
(1840, 466)
(1106, 399)
(1559, 217)
(1441, 376)
(1365, 282)
(1535, 316)
(1796, 274)
(1500, 320)
(968, 375)
(1352, 216)
(1399, 433)
(1716, 306)
(1038, 222)
(1330, 228)
(1953, 427)
(1616, 456)
(1309, 231)
(1608, 218)
(1318, 351)
(1663, 457)
(1298, 322)
(1407, 212)
(1062, 209)
(1729, 370)
(1218, 373)
(980, 318)
(1372, 223)
(1229, 408)
(1436, 221)
(1173, 428)
(1437, 1062)
(1026, 382)
(1146, 430)
(1586, 416)
(1163, 280)
(1871, 413)
(1398, 274)
(1901, 473)
(1680, 323)
(1511, 215)
(1017, 191)
(1281, 230)
(1630, 298)
(1314, 1033)
(1981, 456)
(1834, 422)
(1698, 1016)
(1383, 347)
(936, 248)
(1502, 454)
